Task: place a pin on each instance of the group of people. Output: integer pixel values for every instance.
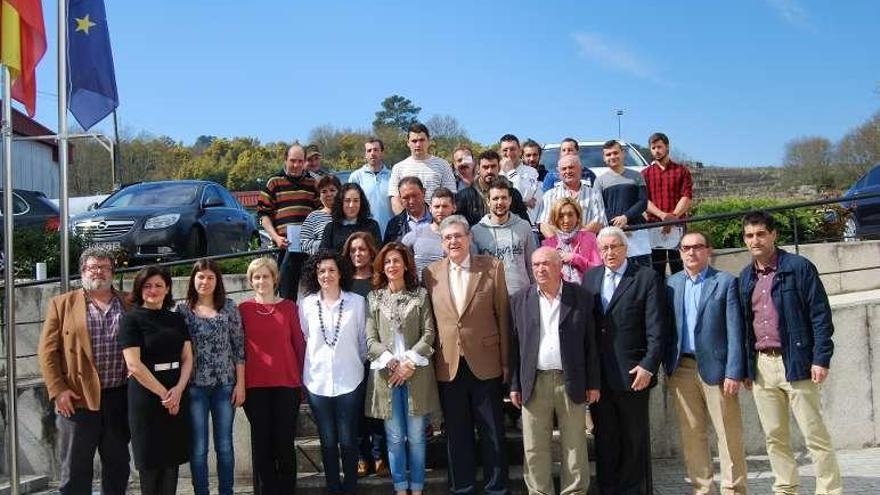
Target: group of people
(423, 290)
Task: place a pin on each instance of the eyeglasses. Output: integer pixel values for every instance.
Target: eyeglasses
(692, 247)
(455, 237)
(610, 247)
(98, 268)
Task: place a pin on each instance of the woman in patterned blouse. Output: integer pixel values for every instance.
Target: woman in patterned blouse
(217, 386)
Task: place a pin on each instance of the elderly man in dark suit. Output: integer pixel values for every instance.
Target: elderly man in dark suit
(470, 301)
(554, 368)
(630, 312)
(705, 364)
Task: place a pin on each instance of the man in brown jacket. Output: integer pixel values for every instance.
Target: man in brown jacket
(85, 376)
(469, 296)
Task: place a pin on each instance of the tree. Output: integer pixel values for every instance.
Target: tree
(808, 161)
(446, 127)
(397, 112)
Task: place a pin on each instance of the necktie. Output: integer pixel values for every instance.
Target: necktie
(458, 288)
(608, 287)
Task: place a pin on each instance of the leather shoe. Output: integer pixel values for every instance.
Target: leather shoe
(382, 469)
(363, 469)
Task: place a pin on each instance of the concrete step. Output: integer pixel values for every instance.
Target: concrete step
(26, 484)
(308, 451)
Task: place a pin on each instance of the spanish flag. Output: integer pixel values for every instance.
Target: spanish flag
(22, 45)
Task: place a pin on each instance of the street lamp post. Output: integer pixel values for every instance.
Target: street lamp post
(619, 115)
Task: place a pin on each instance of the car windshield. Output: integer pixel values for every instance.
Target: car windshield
(591, 156)
(153, 195)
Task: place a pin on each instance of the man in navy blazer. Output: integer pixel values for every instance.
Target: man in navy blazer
(554, 368)
(705, 364)
(630, 311)
(788, 345)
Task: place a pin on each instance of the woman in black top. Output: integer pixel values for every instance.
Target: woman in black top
(360, 250)
(158, 354)
(351, 213)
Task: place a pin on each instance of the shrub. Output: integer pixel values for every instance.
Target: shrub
(813, 223)
(31, 246)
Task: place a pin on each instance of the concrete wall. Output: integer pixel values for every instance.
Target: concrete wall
(851, 396)
(828, 257)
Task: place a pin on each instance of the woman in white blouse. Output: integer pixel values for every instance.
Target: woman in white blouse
(402, 389)
(333, 322)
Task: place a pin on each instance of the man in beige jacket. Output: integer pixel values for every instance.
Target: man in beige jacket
(85, 374)
(470, 301)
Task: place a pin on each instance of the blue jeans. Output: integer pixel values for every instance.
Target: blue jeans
(338, 419)
(218, 401)
(405, 435)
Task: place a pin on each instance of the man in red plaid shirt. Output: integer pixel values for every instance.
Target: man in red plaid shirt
(670, 189)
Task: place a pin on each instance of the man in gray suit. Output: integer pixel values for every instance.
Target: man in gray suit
(706, 365)
(554, 366)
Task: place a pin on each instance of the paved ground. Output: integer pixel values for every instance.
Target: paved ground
(861, 476)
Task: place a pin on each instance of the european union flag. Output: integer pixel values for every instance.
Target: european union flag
(91, 82)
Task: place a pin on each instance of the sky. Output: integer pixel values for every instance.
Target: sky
(729, 82)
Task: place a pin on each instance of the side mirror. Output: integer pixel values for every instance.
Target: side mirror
(213, 202)
(93, 206)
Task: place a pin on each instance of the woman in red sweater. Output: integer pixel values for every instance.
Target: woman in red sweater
(275, 350)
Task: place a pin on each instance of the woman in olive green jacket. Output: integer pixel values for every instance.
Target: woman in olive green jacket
(402, 389)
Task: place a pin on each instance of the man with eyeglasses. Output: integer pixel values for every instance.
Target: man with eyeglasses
(705, 366)
(630, 311)
(470, 301)
(85, 375)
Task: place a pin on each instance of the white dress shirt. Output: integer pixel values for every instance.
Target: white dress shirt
(549, 352)
(339, 369)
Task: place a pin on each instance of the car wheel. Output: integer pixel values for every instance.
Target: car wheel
(195, 244)
(849, 230)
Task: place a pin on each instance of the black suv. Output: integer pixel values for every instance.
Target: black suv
(169, 220)
(864, 222)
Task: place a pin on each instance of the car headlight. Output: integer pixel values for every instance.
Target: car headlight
(162, 221)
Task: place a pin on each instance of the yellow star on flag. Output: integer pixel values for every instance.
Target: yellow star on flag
(84, 24)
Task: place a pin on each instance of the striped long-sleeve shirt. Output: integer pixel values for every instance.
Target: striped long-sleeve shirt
(313, 231)
(287, 200)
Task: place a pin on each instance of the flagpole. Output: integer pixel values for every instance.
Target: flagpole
(9, 287)
(116, 152)
(63, 197)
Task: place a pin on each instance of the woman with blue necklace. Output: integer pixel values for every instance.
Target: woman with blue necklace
(333, 321)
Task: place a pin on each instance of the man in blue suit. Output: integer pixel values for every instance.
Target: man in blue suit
(705, 364)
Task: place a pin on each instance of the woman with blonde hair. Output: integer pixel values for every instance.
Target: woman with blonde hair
(274, 354)
(577, 247)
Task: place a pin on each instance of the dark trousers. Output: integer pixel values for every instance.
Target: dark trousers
(161, 481)
(291, 271)
(467, 401)
(622, 442)
(272, 413)
(660, 257)
(338, 419)
(371, 432)
(85, 432)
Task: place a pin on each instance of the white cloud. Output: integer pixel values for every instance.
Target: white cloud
(791, 12)
(607, 54)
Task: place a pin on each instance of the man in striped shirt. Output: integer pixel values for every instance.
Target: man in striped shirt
(285, 202)
(433, 171)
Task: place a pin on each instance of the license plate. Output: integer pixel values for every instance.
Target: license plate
(110, 246)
